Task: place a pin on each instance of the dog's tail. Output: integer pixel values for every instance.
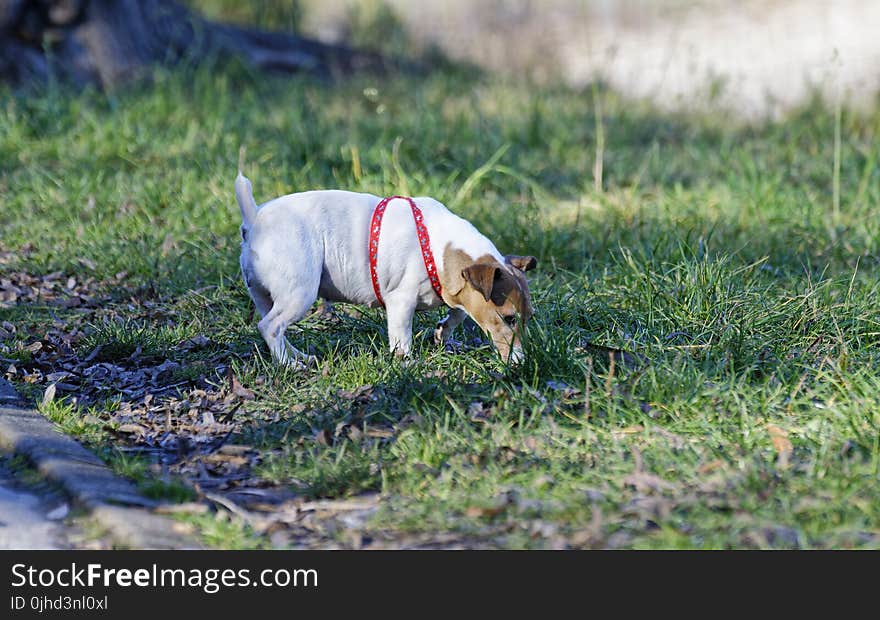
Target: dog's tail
(244, 194)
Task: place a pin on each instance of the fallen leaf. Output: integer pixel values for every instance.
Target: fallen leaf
(58, 513)
(133, 429)
(363, 391)
(478, 412)
(709, 467)
(627, 359)
(645, 482)
(184, 508)
(219, 458)
(382, 433)
(565, 390)
(477, 512)
(649, 508)
(48, 396)
(87, 262)
(676, 441)
(781, 443)
(196, 342)
(237, 388)
(168, 244)
(235, 449)
(629, 430)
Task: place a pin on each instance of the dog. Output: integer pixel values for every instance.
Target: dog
(407, 254)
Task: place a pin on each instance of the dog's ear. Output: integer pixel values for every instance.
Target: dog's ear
(523, 263)
(482, 277)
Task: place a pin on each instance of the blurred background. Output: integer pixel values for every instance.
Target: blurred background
(753, 57)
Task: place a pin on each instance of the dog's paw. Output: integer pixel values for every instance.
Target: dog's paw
(300, 362)
(442, 334)
(453, 346)
(294, 358)
(294, 364)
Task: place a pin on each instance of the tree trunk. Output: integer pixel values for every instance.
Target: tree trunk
(111, 41)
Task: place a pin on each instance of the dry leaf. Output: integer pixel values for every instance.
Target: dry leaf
(676, 441)
(478, 412)
(132, 429)
(382, 433)
(629, 430)
(649, 508)
(58, 376)
(59, 512)
(235, 449)
(185, 508)
(48, 396)
(644, 482)
(781, 443)
(196, 342)
(354, 433)
(218, 459)
(709, 467)
(476, 512)
(363, 391)
(237, 388)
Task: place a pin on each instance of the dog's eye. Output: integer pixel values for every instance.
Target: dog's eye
(510, 320)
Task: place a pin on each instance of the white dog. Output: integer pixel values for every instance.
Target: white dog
(405, 254)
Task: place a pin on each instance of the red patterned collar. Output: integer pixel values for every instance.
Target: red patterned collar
(424, 242)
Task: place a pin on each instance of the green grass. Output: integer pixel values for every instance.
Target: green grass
(712, 250)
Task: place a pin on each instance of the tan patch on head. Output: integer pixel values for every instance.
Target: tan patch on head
(494, 294)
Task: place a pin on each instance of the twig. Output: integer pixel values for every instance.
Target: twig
(835, 178)
(609, 377)
(235, 509)
(587, 385)
(600, 140)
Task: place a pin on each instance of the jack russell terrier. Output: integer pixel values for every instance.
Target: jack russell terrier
(405, 254)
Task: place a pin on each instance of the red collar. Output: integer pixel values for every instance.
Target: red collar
(424, 241)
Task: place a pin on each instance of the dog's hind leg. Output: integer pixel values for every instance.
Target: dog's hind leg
(262, 298)
(275, 322)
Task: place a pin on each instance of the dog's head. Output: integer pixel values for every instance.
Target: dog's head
(494, 294)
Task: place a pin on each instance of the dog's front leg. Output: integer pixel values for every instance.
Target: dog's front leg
(445, 327)
(400, 310)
